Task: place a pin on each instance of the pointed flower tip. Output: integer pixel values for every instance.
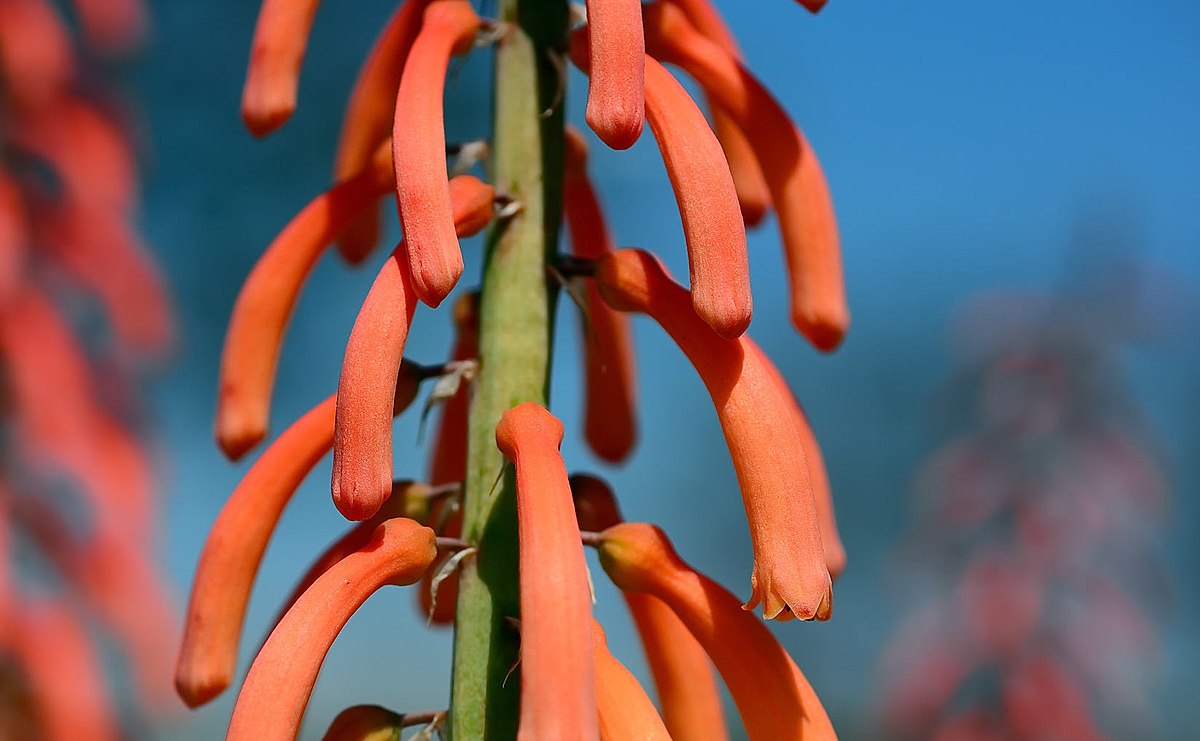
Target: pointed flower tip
(616, 103)
(196, 688)
(365, 723)
(813, 6)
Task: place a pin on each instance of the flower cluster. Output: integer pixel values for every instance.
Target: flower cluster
(1046, 507)
(724, 175)
(77, 496)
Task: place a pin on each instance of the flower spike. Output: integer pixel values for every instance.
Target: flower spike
(268, 297)
(609, 373)
(793, 173)
(687, 690)
(625, 712)
(362, 449)
(419, 149)
(616, 102)
(558, 698)
(752, 191)
(712, 220)
(280, 39)
(790, 575)
(272, 701)
(772, 695)
(368, 118)
(238, 539)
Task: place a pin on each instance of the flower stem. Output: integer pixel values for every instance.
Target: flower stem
(515, 330)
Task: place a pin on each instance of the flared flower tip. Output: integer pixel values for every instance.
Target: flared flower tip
(527, 423)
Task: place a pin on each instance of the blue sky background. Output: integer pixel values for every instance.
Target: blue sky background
(967, 146)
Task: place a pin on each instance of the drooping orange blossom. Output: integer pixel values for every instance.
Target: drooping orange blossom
(570, 685)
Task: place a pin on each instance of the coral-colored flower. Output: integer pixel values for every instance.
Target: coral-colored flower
(268, 297)
(36, 62)
(272, 701)
(616, 59)
(419, 149)
(238, 539)
(772, 695)
(280, 40)
(712, 220)
(558, 697)
(792, 172)
(362, 448)
(111, 26)
(762, 431)
(752, 191)
(368, 118)
(65, 679)
(687, 690)
(624, 710)
(610, 378)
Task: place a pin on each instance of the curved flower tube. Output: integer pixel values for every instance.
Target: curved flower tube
(748, 180)
(772, 695)
(275, 694)
(624, 710)
(407, 500)
(712, 221)
(362, 443)
(368, 119)
(238, 539)
(792, 172)
(831, 540)
(616, 58)
(610, 379)
(448, 461)
(280, 40)
(64, 675)
(687, 690)
(790, 577)
(558, 694)
(419, 149)
(268, 297)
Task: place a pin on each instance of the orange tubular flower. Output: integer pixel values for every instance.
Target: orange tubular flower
(406, 501)
(362, 449)
(610, 376)
(419, 149)
(236, 543)
(616, 102)
(448, 462)
(752, 191)
(835, 552)
(687, 690)
(267, 298)
(797, 184)
(625, 712)
(558, 697)
(759, 420)
(64, 674)
(368, 118)
(790, 577)
(772, 695)
(712, 221)
(272, 701)
(280, 39)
